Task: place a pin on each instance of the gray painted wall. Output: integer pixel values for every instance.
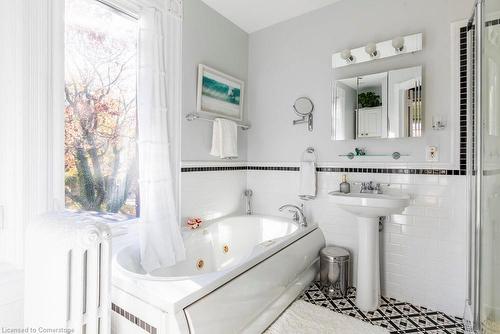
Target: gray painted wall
(293, 58)
(210, 39)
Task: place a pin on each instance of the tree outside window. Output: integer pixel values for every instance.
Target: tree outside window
(100, 111)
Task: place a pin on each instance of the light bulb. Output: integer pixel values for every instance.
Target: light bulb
(371, 49)
(346, 55)
(398, 43)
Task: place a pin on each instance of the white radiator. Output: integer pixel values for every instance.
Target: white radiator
(67, 273)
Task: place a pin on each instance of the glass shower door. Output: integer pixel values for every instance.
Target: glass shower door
(488, 165)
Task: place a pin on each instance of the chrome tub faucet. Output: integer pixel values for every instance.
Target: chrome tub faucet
(248, 195)
(298, 213)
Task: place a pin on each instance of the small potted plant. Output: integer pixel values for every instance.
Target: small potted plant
(369, 100)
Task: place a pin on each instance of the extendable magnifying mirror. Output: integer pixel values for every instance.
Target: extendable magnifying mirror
(304, 107)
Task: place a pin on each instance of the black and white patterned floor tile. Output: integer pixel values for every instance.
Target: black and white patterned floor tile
(397, 317)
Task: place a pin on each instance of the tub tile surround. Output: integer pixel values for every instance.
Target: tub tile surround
(393, 315)
(423, 250)
(210, 195)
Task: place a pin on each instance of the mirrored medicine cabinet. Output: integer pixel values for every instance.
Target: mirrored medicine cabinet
(381, 105)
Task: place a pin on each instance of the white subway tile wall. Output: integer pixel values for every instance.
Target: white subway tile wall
(423, 250)
(213, 194)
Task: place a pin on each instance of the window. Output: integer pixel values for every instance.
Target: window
(101, 169)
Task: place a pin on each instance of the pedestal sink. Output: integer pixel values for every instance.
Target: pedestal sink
(368, 208)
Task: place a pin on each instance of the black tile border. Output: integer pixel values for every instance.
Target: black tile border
(463, 98)
(410, 171)
(212, 169)
(133, 319)
(492, 22)
(277, 168)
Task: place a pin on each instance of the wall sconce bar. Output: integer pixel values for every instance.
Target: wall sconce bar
(390, 48)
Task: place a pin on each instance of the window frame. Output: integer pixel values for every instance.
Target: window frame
(132, 8)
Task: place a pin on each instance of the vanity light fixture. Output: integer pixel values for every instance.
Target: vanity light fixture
(396, 46)
(371, 49)
(347, 56)
(398, 43)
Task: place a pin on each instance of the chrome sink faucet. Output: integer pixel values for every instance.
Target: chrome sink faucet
(370, 187)
(298, 213)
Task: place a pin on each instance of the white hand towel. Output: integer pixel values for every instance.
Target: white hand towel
(224, 139)
(307, 188)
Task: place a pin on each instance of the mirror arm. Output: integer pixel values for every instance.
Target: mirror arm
(300, 121)
(305, 119)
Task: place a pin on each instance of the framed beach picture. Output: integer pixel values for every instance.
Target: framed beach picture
(219, 94)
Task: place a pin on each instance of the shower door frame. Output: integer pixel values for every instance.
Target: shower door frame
(475, 163)
(474, 158)
(477, 160)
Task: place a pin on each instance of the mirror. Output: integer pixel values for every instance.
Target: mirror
(381, 105)
(303, 106)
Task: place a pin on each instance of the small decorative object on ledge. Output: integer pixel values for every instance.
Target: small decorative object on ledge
(372, 51)
(361, 153)
(193, 223)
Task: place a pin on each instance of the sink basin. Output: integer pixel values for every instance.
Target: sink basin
(368, 208)
(370, 205)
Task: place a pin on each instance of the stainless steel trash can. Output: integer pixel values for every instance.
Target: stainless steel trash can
(334, 269)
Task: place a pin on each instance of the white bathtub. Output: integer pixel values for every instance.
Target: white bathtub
(239, 275)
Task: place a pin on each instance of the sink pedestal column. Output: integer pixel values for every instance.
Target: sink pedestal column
(368, 285)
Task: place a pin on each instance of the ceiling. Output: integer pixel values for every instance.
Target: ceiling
(253, 15)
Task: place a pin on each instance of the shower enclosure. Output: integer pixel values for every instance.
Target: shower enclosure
(483, 172)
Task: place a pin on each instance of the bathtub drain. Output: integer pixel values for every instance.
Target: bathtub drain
(200, 264)
(225, 248)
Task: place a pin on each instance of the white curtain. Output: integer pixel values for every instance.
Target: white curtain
(158, 99)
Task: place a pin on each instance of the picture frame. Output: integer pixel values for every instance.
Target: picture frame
(219, 94)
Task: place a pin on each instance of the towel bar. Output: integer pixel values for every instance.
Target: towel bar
(193, 116)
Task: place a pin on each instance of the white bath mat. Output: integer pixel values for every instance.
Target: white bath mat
(306, 318)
